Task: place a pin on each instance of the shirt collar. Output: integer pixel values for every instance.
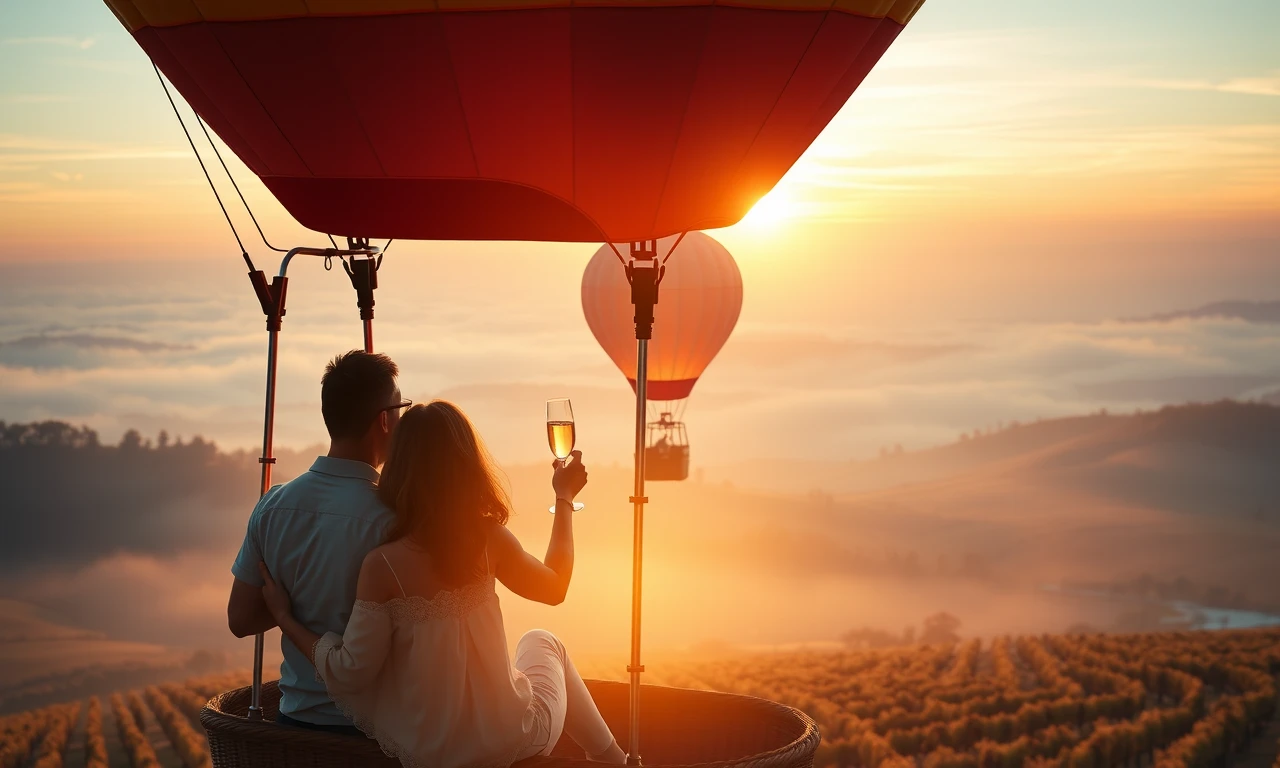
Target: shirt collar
(358, 470)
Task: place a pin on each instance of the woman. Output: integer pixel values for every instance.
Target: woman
(423, 666)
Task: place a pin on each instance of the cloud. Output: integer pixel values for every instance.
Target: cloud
(23, 623)
(172, 599)
(1251, 311)
(33, 98)
(61, 41)
(109, 66)
(1014, 120)
(90, 341)
(89, 351)
(762, 349)
(1179, 389)
(18, 148)
(1264, 85)
(121, 347)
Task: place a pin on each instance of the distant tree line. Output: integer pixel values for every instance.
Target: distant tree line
(66, 497)
(46, 434)
(939, 629)
(60, 434)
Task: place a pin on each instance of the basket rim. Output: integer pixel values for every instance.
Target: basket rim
(214, 718)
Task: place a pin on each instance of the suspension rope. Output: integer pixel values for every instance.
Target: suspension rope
(200, 159)
(200, 122)
(674, 246)
(621, 260)
(214, 189)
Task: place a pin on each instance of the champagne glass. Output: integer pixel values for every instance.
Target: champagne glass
(560, 434)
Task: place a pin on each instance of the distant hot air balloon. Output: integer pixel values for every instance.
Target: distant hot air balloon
(701, 298)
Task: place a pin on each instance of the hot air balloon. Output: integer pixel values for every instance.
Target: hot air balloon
(516, 119)
(623, 121)
(700, 302)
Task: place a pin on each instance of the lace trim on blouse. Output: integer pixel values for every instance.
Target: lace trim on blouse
(446, 604)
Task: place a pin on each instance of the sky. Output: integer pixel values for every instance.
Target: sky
(963, 246)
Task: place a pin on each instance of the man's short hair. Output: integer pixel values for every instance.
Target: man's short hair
(355, 387)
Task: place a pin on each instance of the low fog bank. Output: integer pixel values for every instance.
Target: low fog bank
(121, 553)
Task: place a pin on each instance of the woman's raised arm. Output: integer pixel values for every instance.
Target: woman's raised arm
(546, 580)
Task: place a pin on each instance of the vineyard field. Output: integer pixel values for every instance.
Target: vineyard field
(1166, 700)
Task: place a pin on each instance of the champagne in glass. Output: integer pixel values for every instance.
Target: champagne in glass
(560, 434)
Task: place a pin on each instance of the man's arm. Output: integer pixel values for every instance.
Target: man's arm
(247, 612)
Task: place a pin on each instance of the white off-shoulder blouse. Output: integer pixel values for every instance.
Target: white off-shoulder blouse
(431, 680)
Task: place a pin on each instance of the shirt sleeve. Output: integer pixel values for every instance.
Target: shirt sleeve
(348, 663)
(245, 567)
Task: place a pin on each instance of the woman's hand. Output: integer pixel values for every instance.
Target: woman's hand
(570, 477)
(274, 596)
(277, 601)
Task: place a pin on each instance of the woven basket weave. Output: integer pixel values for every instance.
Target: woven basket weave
(679, 728)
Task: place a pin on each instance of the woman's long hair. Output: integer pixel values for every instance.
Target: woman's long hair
(444, 489)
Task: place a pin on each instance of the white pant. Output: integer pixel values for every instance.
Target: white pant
(564, 704)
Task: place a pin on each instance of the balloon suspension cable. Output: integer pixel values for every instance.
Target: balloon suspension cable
(673, 408)
(644, 272)
(617, 253)
(236, 187)
(199, 159)
(674, 246)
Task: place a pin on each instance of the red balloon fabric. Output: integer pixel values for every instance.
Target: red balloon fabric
(698, 305)
(612, 120)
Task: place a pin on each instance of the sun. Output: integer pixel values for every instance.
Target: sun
(771, 211)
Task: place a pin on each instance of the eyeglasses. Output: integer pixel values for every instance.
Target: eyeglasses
(397, 406)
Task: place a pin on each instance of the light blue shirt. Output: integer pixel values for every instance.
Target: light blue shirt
(313, 533)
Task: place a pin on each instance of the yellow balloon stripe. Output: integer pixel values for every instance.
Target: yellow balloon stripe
(136, 14)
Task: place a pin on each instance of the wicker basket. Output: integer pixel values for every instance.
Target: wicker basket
(680, 728)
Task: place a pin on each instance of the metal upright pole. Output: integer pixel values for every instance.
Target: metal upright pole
(268, 461)
(637, 551)
(644, 273)
(272, 298)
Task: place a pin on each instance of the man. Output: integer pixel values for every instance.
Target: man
(314, 531)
